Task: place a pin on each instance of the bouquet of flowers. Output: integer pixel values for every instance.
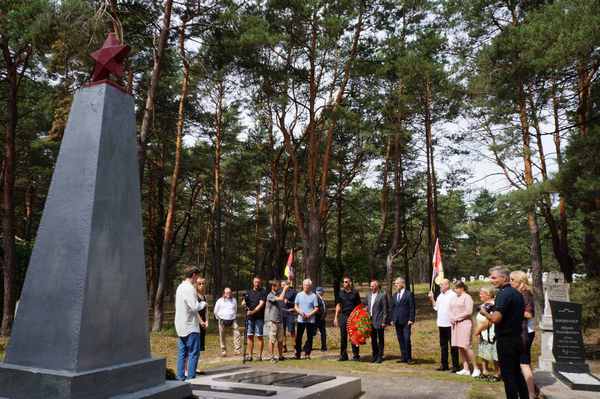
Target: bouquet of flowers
(359, 325)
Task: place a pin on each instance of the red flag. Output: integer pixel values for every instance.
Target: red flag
(289, 270)
(438, 267)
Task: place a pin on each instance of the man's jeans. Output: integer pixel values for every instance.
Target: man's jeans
(188, 348)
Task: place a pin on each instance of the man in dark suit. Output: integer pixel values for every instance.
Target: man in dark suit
(377, 306)
(403, 317)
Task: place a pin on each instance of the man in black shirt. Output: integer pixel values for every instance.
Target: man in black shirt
(346, 301)
(289, 313)
(508, 320)
(254, 301)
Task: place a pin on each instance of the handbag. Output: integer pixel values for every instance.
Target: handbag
(227, 323)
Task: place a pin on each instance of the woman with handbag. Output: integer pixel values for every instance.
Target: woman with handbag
(487, 337)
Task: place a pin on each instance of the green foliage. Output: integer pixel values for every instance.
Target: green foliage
(258, 53)
(579, 178)
(585, 292)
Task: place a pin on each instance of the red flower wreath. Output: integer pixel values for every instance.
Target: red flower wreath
(359, 325)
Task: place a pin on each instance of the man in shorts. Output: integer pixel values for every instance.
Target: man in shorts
(274, 320)
(254, 302)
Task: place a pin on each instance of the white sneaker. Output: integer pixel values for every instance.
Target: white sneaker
(476, 373)
(463, 372)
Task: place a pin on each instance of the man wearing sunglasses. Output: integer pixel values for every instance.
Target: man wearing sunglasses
(346, 301)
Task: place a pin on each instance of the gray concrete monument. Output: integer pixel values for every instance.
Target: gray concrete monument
(81, 330)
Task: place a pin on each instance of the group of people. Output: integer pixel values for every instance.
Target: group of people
(282, 312)
(503, 325)
(504, 328)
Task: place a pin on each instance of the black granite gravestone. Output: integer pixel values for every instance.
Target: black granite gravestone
(567, 347)
(304, 381)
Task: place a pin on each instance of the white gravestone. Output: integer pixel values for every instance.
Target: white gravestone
(481, 277)
(555, 289)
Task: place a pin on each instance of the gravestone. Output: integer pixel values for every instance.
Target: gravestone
(567, 347)
(555, 289)
(81, 330)
(464, 280)
(481, 277)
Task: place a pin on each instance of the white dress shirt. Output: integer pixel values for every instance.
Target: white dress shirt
(226, 309)
(186, 309)
(442, 306)
(373, 296)
(400, 295)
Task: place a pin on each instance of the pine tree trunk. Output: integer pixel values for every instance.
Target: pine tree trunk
(338, 248)
(257, 263)
(170, 220)
(9, 261)
(397, 236)
(384, 211)
(534, 230)
(153, 87)
(217, 206)
(559, 248)
(433, 229)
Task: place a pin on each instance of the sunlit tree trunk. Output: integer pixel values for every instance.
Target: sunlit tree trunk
(153, 86)
(170, 220)
(534, 229)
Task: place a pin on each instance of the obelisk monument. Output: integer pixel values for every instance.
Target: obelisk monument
(81, 330)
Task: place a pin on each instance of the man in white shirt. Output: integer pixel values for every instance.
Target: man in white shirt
(187, 324)
(441, 304)
(378, 305)
(226, 314)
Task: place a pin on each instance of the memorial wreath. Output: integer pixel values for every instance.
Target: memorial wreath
(359, 325)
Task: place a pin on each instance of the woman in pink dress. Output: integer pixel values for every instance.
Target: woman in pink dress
(461, 312)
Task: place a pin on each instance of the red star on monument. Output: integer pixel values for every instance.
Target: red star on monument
(109, 59)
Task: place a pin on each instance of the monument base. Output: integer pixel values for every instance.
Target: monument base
(577, 377)
(257, 383)
(143, 379)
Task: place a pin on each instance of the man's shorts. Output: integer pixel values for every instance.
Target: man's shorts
(275, 332)
(255, 327)
(289, 321)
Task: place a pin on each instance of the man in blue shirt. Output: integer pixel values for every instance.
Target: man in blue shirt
(507, 317)
(306, 305)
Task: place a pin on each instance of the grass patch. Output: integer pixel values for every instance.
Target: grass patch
(3, 343)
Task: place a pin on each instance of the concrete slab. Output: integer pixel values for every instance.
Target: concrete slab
(168, 390)
(552, 388)
(339, 387)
